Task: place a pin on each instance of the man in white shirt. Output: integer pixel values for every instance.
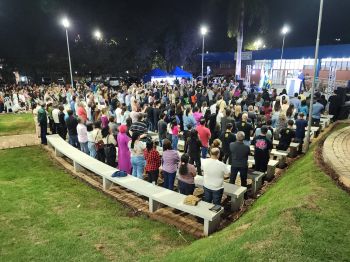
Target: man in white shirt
(214, 172)
(118, 113)
(82, 136)
(56, 120)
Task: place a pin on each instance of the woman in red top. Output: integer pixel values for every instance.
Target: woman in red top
(267, 110)
(153, 161)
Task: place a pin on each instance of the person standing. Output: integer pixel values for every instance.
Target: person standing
(214, 172)
(109, 146)
(170, 161)
(42, 120)
(72, 124)
(317, 110)
(194, 150)
(300, 124)
(239, 159)
(162, 129)
(153, 161)
(204, 136)
(286, 136)
(138, 162)
(227, 138)
(62, 127)
(262, 147)
(174, 134)
(82, 136)
(91, 142)
(124, 157)
(56, 121)
(246, 128)
(187, 172)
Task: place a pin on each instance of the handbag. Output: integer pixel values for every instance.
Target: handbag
(98, 144)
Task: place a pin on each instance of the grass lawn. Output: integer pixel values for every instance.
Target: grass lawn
(303, 217)
(46, 215)
(16, 124)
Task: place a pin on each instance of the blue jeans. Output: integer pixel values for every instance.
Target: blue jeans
(92, 149)
(73, 140)
(84, 148)
(161, 141)
(213, 196)
(204, 152)
(174, 141)
(138, 164)
(169, 179)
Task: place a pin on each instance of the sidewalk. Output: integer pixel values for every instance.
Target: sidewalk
(18, 141)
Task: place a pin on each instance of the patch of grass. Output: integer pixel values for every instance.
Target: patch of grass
(47, 215)
(303, 217)
(16, 124)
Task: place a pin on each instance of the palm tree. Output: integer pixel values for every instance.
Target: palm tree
(239, 12)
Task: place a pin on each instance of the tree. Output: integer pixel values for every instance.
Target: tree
(239, 12)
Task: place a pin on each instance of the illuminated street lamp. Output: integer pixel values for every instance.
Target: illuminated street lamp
(98, 35)
(285, 30)
(65, 22)
(204, 31)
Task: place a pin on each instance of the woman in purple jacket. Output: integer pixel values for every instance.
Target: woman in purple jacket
(170, 162)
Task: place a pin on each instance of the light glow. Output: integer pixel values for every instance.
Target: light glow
(285, 30)
(65, 22)
(98, 35)
(204, 30)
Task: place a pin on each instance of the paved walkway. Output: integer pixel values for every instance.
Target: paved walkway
(18, 141)
(336, 153)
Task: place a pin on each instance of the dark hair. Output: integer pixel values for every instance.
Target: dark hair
(277, 106)
(149, 144)
(97, 124)
(229, 126)
(202, 121)
(167, 145)
(183, 170)
(290, 122)
(89, 126)
(105, 132)
(303, 102)
(264, 130)
(134, 137)
(173, 123)
(111, 119)
(269, 122)
(70, 112)
(188, 110)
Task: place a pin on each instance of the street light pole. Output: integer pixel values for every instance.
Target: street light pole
(307, 144)
(284, 31)
(65, 22)
(203, 60)
(69, 60)
(204, 31)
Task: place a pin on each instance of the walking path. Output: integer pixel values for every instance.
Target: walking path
(18, 141)
(336, 152)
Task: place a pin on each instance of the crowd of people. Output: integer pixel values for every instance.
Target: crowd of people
(217, 122)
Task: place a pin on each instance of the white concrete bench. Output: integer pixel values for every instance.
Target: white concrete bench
(281, 157)
(235, 192)
(257, 179)
(271, 166)
(154, 193)
(293, 148)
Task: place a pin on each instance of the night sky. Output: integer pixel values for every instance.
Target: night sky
(30, 28)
